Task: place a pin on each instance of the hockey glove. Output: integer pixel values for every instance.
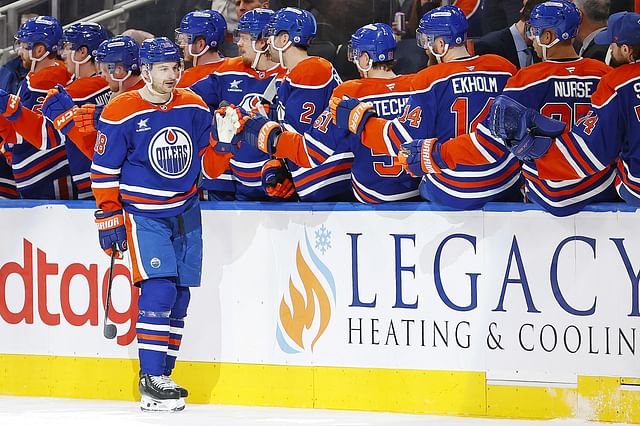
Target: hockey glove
(420, 157)
(58, 107)
(86, 117)
(261, 133)
(350, 113)
(9, 106)
(276, 180)
(227, 123)
(111, 231)
(526, 133)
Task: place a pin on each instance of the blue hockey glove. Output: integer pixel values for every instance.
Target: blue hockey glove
(276, 180)
(421, 157)
(261, 133)
(526, 133)
(111, 230)
(58, 107)
(9, 106)
(350, 113)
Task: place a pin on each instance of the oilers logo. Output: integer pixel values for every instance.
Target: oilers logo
(250, 101)
(171, 152)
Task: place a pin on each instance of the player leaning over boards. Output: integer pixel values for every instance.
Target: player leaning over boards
(560, 87)
(374, 178)
(144, 177)
(449, 98)
(608, 134)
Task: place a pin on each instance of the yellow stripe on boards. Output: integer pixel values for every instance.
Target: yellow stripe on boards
(403, 391)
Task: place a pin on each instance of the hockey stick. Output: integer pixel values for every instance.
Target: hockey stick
(109, 330)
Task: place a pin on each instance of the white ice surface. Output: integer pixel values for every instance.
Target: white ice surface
(23, 411)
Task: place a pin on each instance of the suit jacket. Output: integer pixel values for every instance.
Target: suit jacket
(500, 43)
(596, 51)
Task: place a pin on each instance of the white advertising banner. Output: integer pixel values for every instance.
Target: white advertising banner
(521, 295)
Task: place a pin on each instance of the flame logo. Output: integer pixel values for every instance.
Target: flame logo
(306, 317)
(171, 137)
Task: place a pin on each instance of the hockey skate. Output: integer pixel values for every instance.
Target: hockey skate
(158, 393)
(183, 392)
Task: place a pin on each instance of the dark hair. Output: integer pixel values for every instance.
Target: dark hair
(635, 51)
(385, 66)
(525, 13)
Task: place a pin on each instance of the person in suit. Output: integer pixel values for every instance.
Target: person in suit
(594, 20)
(497, 14)
(511, 43)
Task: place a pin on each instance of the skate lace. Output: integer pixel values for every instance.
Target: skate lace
(162, 382)
(171, 382)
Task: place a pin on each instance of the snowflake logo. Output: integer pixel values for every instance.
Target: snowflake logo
(323, 239)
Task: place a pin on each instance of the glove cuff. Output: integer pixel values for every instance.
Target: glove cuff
(267, 137)
(14, 108)
(428, 163)
(108, 220)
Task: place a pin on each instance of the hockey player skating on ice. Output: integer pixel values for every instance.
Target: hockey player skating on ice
(608, 134)
(144, 176)
(449, 98)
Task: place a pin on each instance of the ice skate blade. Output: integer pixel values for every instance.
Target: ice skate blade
(148, 404)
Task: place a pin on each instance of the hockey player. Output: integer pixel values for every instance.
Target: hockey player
(79, 41)
(302, 97)
(39, 160)
(200, 36)
(241, 81)
(374, 178)
(144, 176)
(117, 60)
(608, 134)
(449, 99)
(560, 87)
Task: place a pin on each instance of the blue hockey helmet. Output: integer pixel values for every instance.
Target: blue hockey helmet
(159, 49)
(208, 24)
(87, 34)
(254, 22)
(45, 30)
(377, 40)
(561, 16)
(119, 50)
(448, 22)
(299, 24)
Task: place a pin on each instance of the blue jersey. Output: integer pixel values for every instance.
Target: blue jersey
(562, 90)
(87, 90)
(449, 100)
(608, 134)
(302, 97)
(241, 85)
(40, 165)
(147, 157)
(374, 177)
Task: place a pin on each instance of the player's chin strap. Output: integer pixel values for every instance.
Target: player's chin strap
(34, 61)
(280, 49)
(438, 56)
(78, 63)
(196, 55)
(546, 46)
(120, 80)
(258, 53)
(364, 71)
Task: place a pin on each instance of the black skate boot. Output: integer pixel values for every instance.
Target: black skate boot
(159, 394)
(183, 392)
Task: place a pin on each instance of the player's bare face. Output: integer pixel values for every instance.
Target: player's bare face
(23, 53)
(165, 76)
(278, 41)
(118, 73)
(245, 48)
(620, 53)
